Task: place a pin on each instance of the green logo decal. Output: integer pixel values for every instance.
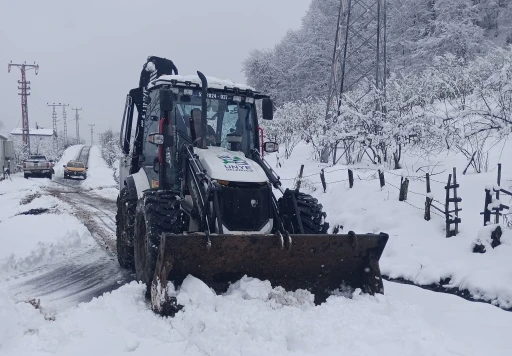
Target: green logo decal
(235, 164)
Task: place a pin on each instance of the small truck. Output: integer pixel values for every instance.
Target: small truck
(75, 168)
(38, 166)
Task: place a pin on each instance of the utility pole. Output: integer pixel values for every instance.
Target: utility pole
(24, 94)
(92, 133)
(54, 121)
(64, 116)
(77, 118)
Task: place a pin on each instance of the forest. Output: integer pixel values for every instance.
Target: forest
(448, 84)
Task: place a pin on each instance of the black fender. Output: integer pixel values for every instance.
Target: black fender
(136, 184)
(131, 187)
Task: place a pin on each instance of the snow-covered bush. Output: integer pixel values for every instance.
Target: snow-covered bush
(301, 120)
(40, 146)
(110, 149)
(454, 104)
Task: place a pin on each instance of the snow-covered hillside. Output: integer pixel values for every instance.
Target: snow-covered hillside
(418, 250)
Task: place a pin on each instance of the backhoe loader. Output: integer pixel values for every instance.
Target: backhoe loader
(197, 198)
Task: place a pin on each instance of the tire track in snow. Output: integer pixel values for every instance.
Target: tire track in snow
(86, 273)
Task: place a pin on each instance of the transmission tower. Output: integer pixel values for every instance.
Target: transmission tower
(92, 133)
(359, 53)
(359, 50)
(77, 118)
(54, 122)
(24, 94)
(64, 117)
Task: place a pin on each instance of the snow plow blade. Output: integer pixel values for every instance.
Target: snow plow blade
(318, 263)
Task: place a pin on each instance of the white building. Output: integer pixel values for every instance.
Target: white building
(6, 154)
(35, 134)
(41, 140)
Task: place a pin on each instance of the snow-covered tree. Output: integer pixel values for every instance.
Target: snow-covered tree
(417, 31)
(448, 82)
(110, 150)
(299, 65)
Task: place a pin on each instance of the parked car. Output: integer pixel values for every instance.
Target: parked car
(75, 169)
(38, 166)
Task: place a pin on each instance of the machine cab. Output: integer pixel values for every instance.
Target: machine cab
(173, 108)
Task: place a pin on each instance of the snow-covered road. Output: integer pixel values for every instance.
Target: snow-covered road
(76, 275)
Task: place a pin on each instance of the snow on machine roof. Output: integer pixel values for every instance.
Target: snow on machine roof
(214, 83)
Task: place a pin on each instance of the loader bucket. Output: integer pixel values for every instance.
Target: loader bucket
(318, 263)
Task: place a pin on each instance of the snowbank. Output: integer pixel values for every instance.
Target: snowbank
(99, 175)
(29, 240)
(15, 190)
(254, 319)
(71, 153)
(417, 250)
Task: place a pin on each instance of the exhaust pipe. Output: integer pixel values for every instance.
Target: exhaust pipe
(204, 93)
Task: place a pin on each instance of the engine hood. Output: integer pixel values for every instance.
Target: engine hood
(221, 163)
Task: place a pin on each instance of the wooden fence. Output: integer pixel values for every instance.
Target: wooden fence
(449, 208)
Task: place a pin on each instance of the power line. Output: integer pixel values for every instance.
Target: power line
(24, 95)
(77, 118)
(64, 116)
(92, 133)
(54, 122)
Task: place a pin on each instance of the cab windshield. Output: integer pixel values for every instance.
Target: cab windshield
(225, 116)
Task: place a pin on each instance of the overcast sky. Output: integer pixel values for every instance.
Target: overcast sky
(91, 52)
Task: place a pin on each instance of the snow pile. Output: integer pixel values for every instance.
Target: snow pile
(18, 322)
(29, 240)
(99, 175)
(250, 288)
(417, 250)
(246, 321)
(71, 153)
(489, 237)
(15, 190)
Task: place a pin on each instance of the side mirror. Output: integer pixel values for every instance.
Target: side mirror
(156, 138)
(64, 165)
(51, 161)
(270, 147)
(267, 108)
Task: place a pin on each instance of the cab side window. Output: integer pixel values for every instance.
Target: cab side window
(151, 126)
